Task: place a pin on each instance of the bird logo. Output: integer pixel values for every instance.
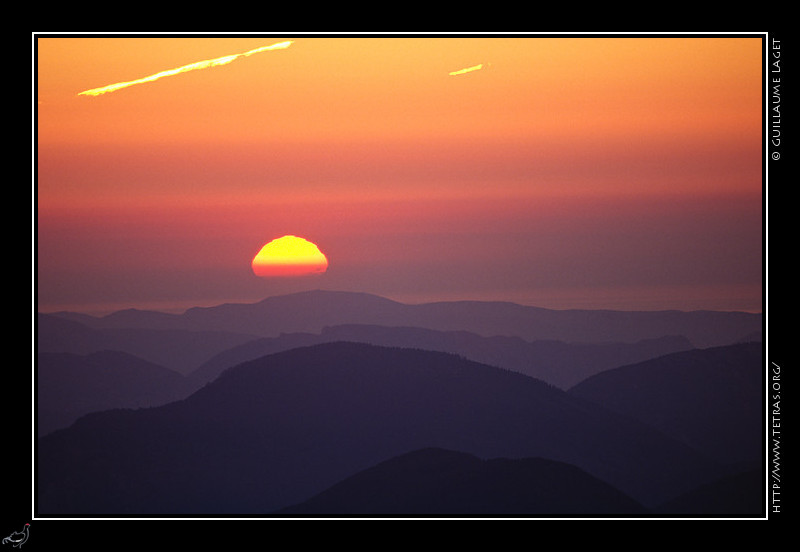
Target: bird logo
(17, 539)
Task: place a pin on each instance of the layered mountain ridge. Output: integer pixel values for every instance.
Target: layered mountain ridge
(274, 431)
(312, 311)
(263, 409)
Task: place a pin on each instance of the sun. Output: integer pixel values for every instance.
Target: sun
(289, 256)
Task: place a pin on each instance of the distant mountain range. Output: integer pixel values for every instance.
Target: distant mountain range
(201, 355)
(179, 350)
(560, 347)
(312, 311)
(275, 431)
(82, 369)
(335, 403)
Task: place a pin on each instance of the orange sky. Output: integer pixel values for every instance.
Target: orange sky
(567, 172)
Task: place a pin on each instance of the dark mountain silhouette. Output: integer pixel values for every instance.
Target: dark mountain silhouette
(277, 430)
(176, 349)
(711, 399)
(314, 310)
(558, 363)
(436, 482)
(739, 495)
(70, 385)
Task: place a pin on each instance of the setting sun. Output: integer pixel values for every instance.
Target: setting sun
(289, 256)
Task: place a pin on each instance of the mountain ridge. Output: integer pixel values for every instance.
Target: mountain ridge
(439, 482)
(310, 311)
(70, 385)
(721, 385)
(177, 349)
(273, 431)
(559, 363)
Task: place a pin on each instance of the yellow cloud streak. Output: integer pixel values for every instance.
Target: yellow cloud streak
(467, 70)
(191, 67)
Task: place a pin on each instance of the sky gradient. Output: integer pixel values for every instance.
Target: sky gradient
(619, 173)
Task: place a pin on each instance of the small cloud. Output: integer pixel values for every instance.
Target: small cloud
(468, 69)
